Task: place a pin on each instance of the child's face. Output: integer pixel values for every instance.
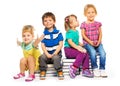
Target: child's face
(48, 22)
(27, 37)
(74, 22)
(90, 14)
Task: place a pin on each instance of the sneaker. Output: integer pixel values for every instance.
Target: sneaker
(72, 71)
(60, 75)
(96, 73)
(30, 78)
(103, 74)
(20, 75)
(42, 75)
(87, 73)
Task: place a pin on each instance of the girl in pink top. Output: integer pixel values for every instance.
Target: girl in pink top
(92, 36)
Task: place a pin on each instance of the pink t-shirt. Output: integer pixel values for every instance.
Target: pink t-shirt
(91, 30)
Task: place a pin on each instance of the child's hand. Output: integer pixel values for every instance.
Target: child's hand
(18, 42)
(49, 55)
(81, 49)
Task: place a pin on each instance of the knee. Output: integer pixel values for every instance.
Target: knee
(42, 57)
(56, 57)
(23, 61)
(30, 58)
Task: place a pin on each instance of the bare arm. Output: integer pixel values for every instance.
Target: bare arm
(58, 48)
(45, 50)
(38, 40)
(79, 48)
(18, 42)
(100, 36)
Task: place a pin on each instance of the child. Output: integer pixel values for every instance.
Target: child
(51, 46)
(73, 50)
(92, 36)
(31, 53)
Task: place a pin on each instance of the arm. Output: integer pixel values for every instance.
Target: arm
(86, 38)
(37, 41)
(79, 48)
(45, 50)
(100, 36)
(58, 48)
(18, 42)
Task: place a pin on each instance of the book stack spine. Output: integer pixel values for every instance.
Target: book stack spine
(66, 64)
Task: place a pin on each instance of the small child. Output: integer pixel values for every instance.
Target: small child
(74, 50)
(31, 53)
(51, 46)
(92, 36)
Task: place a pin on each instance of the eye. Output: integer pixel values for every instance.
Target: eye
(23, 35)
(28, 35)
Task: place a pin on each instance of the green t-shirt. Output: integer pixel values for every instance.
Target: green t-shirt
(73, 35)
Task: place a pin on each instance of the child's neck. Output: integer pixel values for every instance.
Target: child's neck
(50, 29)
(90, 21)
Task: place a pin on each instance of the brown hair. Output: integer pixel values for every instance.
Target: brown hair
(68, 20)
(89, 6)
(28, 28)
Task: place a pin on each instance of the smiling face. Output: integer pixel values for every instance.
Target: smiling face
(48, 22)
(27, 34)
(90, 14)
(27, 37)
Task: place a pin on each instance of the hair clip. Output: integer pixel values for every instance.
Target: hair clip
(67, 19)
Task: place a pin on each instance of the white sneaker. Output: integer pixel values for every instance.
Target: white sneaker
(103, 73)
(96, 72)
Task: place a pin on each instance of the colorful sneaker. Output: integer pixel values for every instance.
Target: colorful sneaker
(96, 72)
(30, 78)
(60, 75)
(87, 73)
(72, 71)
(103, 74)
(42, 75)
(20, 75)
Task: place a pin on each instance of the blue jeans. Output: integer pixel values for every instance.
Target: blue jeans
(92, 52)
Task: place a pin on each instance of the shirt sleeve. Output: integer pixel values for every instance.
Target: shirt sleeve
(82, 25)
(69, 35)
(60, 37)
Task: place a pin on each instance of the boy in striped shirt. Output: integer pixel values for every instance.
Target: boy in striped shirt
(51, 46)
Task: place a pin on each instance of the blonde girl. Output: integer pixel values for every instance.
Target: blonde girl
(92, 37)
(31, 53)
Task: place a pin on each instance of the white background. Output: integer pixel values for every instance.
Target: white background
(14, 14)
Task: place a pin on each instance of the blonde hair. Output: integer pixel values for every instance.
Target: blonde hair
(68, 20)
(28, 28)
(89, 6)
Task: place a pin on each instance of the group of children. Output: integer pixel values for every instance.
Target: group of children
(52, 43)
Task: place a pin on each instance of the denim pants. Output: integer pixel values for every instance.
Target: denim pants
(92, 52)
(80, 58)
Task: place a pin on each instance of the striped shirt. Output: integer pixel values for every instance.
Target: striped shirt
(52, 39)
(91, 30)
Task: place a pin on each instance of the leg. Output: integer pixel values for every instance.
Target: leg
(102, 53)
(31, 67)
(92, 52)
(23, 65)
(31, 64)
(72, 53)
(57, 62)
(43, 62)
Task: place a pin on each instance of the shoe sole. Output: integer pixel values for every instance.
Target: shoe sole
(42, 78)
